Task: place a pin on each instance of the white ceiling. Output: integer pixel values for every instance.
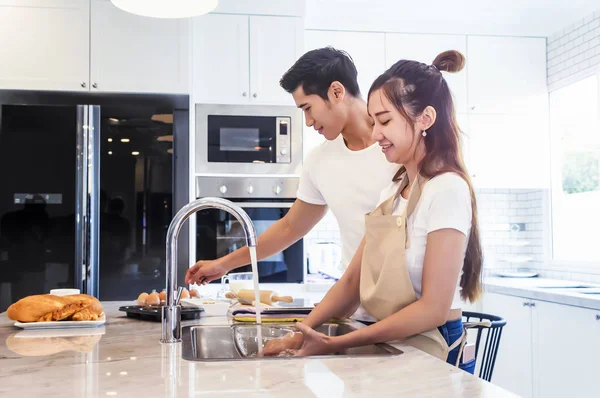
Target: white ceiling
(500, 17)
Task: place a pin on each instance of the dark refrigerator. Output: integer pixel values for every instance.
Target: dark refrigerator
(88, 186)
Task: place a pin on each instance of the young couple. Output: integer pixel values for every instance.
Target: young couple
(392, 173)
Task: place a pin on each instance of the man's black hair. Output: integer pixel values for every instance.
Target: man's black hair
(317, 69)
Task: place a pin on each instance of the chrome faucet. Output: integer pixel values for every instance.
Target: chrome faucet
(171, 312)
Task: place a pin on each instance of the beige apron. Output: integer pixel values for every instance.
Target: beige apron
(385, 286)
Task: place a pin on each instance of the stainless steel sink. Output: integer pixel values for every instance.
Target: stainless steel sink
(238, 342)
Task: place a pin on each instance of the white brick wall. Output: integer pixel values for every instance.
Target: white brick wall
(573, 50)
(499, 210)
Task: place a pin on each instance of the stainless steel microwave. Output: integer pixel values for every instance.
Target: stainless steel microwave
(248, 139)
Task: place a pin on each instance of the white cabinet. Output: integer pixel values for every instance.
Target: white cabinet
(45, 45)
(221, 67)
(240, 59)
(130, 53)
(424, 48)
(367, 50)
(508, 151)
(547, 350)
(566, 350)
(513, 369)
(275, 44)
(507, 75)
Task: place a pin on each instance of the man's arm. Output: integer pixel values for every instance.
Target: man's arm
(301, 218)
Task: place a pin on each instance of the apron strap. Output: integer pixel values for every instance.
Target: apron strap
(463, 338)
(387, 207)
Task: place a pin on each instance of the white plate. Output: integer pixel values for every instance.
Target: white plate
(70, 332)
(60, 324)
(517, 274)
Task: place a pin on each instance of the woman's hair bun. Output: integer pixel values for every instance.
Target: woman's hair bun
(449, 61)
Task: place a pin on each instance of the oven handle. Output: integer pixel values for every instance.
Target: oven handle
(285, 205)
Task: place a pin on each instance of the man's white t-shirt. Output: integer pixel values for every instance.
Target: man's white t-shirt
(445, 203)
(349, 183)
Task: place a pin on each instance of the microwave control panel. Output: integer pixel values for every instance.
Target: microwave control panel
(283, 139)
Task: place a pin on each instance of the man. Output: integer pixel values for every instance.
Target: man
(346, 173)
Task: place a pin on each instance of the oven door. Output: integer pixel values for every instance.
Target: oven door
(218, 233)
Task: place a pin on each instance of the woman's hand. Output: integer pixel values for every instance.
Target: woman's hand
(315, 343)
(291, 341)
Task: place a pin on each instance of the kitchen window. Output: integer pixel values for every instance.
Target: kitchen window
(575, 140)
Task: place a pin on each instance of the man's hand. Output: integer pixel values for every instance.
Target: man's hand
(204, 272)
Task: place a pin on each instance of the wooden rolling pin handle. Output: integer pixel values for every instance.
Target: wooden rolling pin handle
(285, 299)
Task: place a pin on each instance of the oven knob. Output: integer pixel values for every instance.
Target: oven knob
(223, 189)
(277, 189)
(250, 189)
(283, 152)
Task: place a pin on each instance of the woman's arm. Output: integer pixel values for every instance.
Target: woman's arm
(441, 268)
(340, 302)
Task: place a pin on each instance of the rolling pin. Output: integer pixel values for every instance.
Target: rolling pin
(266, 296)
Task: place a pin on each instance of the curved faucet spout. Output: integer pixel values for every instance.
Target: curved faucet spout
(171, 312)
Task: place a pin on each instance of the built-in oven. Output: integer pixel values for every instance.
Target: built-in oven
(266, 200)
(243, 139)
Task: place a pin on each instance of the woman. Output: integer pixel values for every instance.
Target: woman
(421, 255)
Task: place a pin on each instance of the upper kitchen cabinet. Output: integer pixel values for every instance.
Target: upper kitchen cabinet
(45, 44)
(507, 75)
(508, 151)
(366, 49)
(275, 44)
(220, 59)
(130, 53)
(240, 59)
(424, 48)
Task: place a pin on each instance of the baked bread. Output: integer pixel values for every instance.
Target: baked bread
(47, 308)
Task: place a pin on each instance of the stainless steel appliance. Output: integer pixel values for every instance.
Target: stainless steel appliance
(266, 200)
(89, 183)
(248, 139)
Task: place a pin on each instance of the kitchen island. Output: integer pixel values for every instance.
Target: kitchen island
(124, 358)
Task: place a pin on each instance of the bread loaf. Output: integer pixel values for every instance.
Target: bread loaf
(47, 308)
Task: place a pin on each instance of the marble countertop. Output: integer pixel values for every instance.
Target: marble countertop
(544, 289)
(124, 358)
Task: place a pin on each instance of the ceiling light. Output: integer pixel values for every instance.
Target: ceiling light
(125, 140)
(135, 153)
(110, 152)
(165, 138)
(164, 118)
(167, 8)
(114, 120)
(110, 140)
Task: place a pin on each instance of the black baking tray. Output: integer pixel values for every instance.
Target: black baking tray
(153, 313)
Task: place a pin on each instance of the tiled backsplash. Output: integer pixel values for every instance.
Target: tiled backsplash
(514, 226)
(574, 49)
(511, 224)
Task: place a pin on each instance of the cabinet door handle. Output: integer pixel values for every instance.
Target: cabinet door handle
(598, 317)
(255, 95)
(244, 94)
(526, 304)
(532, 304)
(95, 85)
(83, 85)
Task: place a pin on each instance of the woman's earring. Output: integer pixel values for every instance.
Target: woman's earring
(424, 133)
